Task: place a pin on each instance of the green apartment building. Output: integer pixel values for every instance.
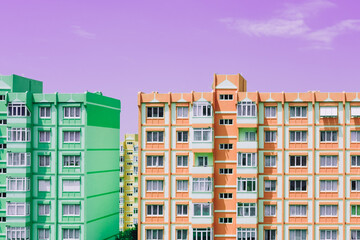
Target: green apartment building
(59, 162)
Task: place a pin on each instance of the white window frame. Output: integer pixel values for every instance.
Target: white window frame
(44, 160)
(298, 136)
(247, 159)
(182, 112)
(44, 209)
(355, 111)
(328, 234)
(19, 134)
(18, 110)
(270, 185)
(328, 136)
(270, 111)
(225, 195)
(44, 136)
(202, 109)
(270, 160)
(270, 234)
(71, 136)
(71, 234)
(18, 159)
(20, 208)
(202, 185)
(328, 211)
(355, 160)
(294, 236)
(44, 112)
(18, 233)
(226, 97)
(297, 210)
(246, 233)
(17, 184)
(298, 112)
(225, 220)
(225, 171)
(71, 161)
(43, 233)
(182, 136)
(202, 135)
(182, 185)
(329, 160)
(182, 210)
(356, 184)
(155, 136)
(300, 183)
(202, 161)
(246, 209)
(154, 114)
(182, 161)
(297, 161)
(155, 161)
(202, 206)
(246, 109)
(72, 112)
(154, 210)
(181, 234)
(270, 210)
(250, 136)
(69, 209)
(154, 185)
(44, 185)
(329, 185)
(154, 234)
(226, 146)
(244, 184)
(225, 122)
(270, 136)
(355, 136)
(354, 234)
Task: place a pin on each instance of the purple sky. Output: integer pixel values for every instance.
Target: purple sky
(123, 47)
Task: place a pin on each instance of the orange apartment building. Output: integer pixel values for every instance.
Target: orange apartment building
(231, 164)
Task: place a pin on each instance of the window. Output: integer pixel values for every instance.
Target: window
(18, 233)
(246, 109)
(328, 161)
(71, 161)
(135, 159)
(43, 234)
(246, 209)
(202, 209)
(182, 161)
(226, 146)
(154, 185)
(225, 121)
(71, 112)
(181, 234)
(72, 137)
(270, 112)
(298, 112)
(18, 110)
(225, 195)
(298, 234)
(44, 161)
(225, 220)
(202, 184)
(298, 185)
(355, 112)
(2, 194)
(71, 209)
(298, 210)
(129, 184)
(182, 112)
(247, 159)
(155, 161)
(3, 121)
(270, 161)
(121, 159)
(270, 185)
(44, 209)
(19, 134)
(225, 171)
(155, 112)
(129, 153)
(298, 136)
(328, 111)
(155, 210)
(17, 184)
(2, 170)
(18, 159)
(44, 185)
(44, 136)
(71, 185)
(329, 235)
(182, 185)
(121, 169)
(202, 161)
(121, 211)
(246, 184)
(355, 234)
(182, 136)
(246, 234)
(136, 170)
(202, 134)
(154, 234)
(136, 211)
(355, 210)
(154, 136)
(270, 136)
(17, 209)
(136, 147)
(182, 210)
(328, 136)
(298, 161)
(202, 109)
(355, 185)
(270, 234)
(328, 185)
(226, 97)
(355, 136)
(355, 161)
(250, 136)
(2, 97)
(71, 234)
(44, 112)
(328, 210)
(270, 210)
(3, 146)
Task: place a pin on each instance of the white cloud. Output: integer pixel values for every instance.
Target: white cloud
(77, 30)
(291, 22)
